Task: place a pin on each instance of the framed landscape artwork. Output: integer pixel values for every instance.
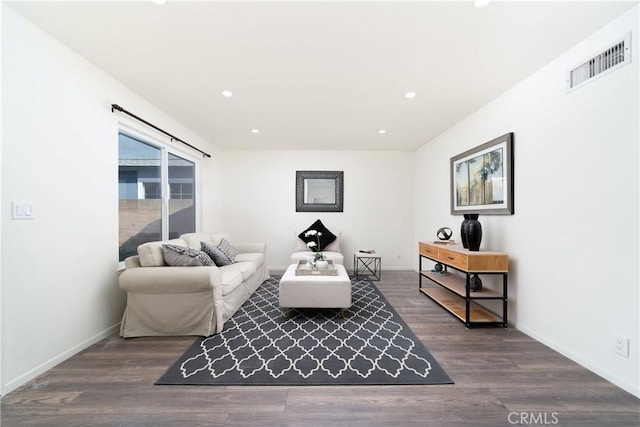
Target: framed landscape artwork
(482, 179)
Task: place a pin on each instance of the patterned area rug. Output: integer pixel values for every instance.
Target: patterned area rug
(260, 346)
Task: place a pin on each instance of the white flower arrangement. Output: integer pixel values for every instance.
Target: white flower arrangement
(315, 247)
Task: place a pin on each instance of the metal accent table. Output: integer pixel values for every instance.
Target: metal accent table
(367, 265)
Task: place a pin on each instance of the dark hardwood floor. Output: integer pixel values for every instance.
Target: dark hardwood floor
(502, 377)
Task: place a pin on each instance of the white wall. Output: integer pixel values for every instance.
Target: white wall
(1, 213)
(60, 152)
(258, 191)
(573, 241)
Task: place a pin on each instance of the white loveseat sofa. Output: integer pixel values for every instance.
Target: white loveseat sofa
(170, 300)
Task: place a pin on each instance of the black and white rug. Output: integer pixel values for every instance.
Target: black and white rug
(260, 346)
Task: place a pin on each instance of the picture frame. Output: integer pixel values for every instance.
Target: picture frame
(482, 179)
(319, 191)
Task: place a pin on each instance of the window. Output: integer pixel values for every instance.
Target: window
(148, 175)
(152, 190)
(181, 203)
(181, 190)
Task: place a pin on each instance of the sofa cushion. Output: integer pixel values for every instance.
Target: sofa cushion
(180, 256)
(151, 253)
(247, 269)
(218, 257)
(230, 281)
(193, 239)
(326, 236)
(257, 258)
(333, 246)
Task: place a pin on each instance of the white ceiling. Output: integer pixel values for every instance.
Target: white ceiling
(320, 75)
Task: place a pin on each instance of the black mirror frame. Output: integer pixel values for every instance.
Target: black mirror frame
(301, 206)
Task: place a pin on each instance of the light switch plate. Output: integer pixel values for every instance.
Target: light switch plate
(21, 210)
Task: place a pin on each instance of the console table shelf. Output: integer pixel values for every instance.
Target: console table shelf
(453, 291)
(457, 307)
(457, 284)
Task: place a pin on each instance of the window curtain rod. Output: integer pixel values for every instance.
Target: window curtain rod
(173, 138)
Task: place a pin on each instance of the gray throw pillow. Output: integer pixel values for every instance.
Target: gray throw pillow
(179, 256)
(218, 257)
(228, 250)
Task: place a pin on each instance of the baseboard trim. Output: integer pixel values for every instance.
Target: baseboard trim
(42, 368)
(623, 383)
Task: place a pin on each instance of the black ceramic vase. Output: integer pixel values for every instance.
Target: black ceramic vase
(473, 232)
(463, 231)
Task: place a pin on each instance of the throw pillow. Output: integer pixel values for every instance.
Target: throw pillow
(180, 256)
(228, 250)
(218, 257)
(326, 237)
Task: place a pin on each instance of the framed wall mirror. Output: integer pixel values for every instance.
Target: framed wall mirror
(319, 191)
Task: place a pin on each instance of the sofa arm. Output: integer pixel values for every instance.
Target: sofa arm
(132, 262)
(244, 248)
(169, 280)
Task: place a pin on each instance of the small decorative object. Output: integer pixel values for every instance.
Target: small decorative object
(315, 247)
(322, 264)
(475, 284)
(444, 233)
(473, 232)
(439, 269)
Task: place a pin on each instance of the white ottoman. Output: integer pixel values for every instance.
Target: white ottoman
(315, 291)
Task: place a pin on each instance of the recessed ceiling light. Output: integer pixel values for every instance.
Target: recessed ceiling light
(255, 131)
(227, 93)
(382, 131)
(159, 1)
(410, 95)
(481, 3)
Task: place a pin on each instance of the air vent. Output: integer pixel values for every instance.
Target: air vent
(608, 60)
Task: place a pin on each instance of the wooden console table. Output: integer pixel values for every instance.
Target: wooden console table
(453, 291)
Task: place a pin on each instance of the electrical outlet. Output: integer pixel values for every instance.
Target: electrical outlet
(621, 345)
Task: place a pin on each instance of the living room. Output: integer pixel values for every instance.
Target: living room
(573, 279)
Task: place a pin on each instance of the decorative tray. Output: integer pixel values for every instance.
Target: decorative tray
(305, 269)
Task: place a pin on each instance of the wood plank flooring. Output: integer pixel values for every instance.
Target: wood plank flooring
(502, 377)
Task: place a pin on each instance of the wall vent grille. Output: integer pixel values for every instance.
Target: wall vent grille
(608, 60)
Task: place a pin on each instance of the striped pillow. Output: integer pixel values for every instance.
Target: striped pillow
(227, 249)
(180, 256)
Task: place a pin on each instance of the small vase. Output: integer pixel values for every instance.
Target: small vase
(473, 231)
(322, 264)
(475, 284)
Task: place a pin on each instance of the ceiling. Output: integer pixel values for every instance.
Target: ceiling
(320, 75)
